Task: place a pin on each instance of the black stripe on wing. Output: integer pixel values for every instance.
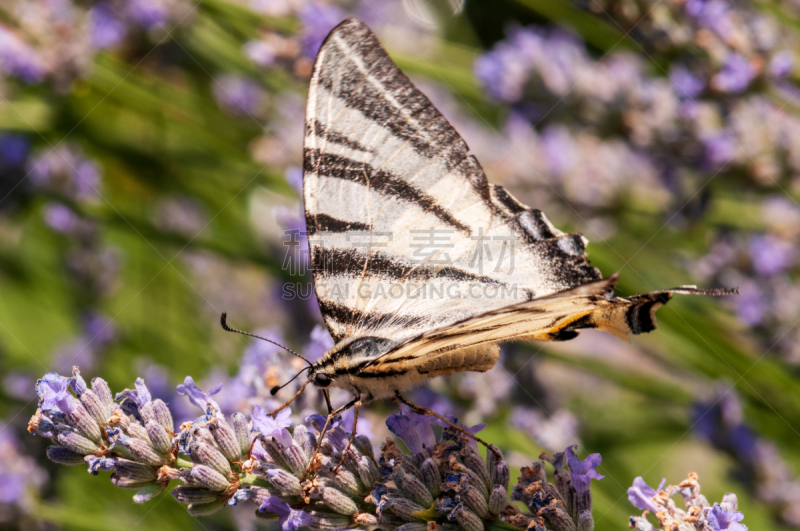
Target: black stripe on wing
(328, 261)
(339, 167)
(416, 120)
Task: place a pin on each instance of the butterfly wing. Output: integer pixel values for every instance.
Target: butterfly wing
(406, 234)
(555, 317)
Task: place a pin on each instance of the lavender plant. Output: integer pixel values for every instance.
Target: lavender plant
(289, 474)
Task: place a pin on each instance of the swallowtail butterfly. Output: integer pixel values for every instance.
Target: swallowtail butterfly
(397, 214)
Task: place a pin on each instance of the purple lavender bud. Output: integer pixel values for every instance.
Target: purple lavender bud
(414, 526)
(274, 450)
(205, 509)
(226, 439)
(210, 456)
(103, 392)
(287, 483)
(363, 445)
(241, 495)
(159, 437)
(585, 521)
(476, 501)
(94, 407)
(242, 433)
(323, 522)
(141, 450)
(501, 474)
(338, 501)
(368, 471)
(207, 477)
(75, 442)
(77, 383)
(188, 495)
(148, 493)
(498, 499)
(431, 476)
(146, 412)
(137, 431)
(413, 487)
(96, 464)
(581, 472)
(404, 508)
(127, 483)
(296, 458)
(64, 456)
(474, 462)
(132, 470)
(467, 519)
(260, 494)
(163, 415)
(80, 419)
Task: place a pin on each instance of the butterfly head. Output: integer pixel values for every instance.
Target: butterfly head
(321, 379)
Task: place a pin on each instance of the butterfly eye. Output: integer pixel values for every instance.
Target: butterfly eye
(322, 380)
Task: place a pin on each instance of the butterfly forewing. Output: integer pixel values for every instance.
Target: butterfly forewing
(406, 234)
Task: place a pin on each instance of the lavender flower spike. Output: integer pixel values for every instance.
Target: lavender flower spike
(289, 518)
(582, 471)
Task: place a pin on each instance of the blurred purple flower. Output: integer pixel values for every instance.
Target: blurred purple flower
(582, 471)
(318, 20)
(18, 385)
(771, 255)
(290, 519)
(60, 217)
(294, 176)
(751, 305)
(722, 520)
(149, 13)
(558, 149)
(98, 328)
(106, 29)
(415, 430)
(13, 150)
(18, 59)
(260, 52)
(685, 83)
(720, 149)
(273, 427)
(320, 342)
(641, 495)
(196, 395)
(736, 74)
(781, 64)
(238, 96)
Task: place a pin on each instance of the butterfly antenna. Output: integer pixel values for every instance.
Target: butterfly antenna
(302, 388)
(277, 388)
(223, 320)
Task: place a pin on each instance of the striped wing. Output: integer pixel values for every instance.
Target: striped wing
(394, 201)
(555, 317)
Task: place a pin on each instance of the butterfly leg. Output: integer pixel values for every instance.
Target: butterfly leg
(425, 411)
(327, 394)
(324, 429)
(356, 407)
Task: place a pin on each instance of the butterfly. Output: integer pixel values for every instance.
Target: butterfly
(397, 213)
